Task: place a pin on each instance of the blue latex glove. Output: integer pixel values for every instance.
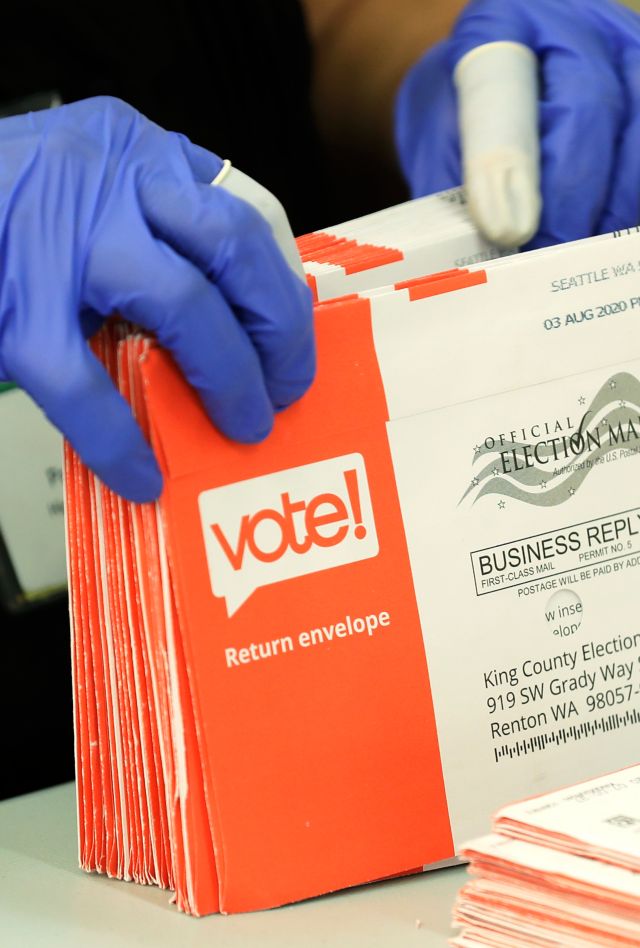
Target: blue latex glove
(589, 114)
(103, 211)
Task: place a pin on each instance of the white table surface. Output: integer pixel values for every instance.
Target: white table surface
(47, 902)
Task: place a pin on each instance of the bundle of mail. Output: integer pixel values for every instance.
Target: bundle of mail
(287, 669)
(560, 869)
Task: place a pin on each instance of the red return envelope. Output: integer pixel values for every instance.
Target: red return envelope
(280, 661)
(301, 637)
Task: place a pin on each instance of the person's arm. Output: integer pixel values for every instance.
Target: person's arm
(362, 51)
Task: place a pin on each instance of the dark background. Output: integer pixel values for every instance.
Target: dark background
(36, 747)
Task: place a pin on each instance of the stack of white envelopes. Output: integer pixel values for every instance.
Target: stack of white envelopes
(429, 235)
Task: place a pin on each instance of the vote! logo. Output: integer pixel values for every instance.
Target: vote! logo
(267, 529)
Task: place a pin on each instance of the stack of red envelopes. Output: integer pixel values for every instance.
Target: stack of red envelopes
(561, 869)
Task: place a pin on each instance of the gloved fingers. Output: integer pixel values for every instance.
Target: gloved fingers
(205, 165)
(150, 284)
(581, 108)
(491, 21)
(77, 395)
(248, 189)
(620, 22)
(622, 208)
(582, 114)
(499, 138)
(426, 125)
(232, 244)
(90, 322)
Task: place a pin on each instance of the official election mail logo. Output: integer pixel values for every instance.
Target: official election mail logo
(280, 526)
(546, 464)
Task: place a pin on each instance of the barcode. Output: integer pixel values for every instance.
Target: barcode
(565, 735)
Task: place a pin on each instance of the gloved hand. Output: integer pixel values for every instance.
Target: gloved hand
(101, 210)
(588, 116)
